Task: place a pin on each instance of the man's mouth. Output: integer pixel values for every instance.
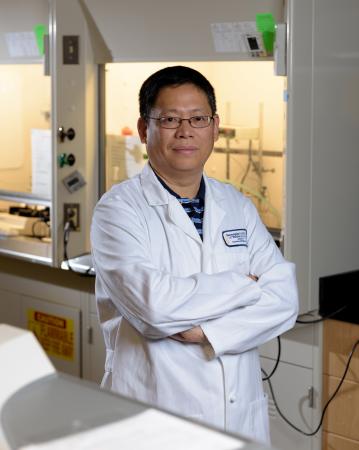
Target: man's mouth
(185, 150)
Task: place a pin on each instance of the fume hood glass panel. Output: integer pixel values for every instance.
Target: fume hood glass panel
(249, 152)
(25, 230)
(25, 138)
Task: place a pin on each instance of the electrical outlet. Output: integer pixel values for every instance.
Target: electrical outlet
(72, 215)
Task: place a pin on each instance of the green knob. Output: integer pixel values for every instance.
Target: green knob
(62, 159)
(66, 160)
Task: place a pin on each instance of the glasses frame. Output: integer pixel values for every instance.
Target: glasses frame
(180, 120)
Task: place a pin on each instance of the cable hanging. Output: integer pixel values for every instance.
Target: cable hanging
(326, 405)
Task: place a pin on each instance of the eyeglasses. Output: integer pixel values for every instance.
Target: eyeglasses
(175, 122)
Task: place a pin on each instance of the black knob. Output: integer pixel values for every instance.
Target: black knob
(69, 134)
(71, 159)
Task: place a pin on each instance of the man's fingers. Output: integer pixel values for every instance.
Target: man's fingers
(177, 337)
(194, 335)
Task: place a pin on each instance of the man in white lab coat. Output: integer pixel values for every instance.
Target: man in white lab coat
(188, 280)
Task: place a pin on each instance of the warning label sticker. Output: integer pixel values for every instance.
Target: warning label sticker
(55, 334)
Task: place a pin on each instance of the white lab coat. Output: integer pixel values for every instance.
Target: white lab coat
(155, 277)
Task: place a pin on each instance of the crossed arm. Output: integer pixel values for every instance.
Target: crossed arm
(196, 335)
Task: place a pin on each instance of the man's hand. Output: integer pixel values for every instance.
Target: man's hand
(193, 335)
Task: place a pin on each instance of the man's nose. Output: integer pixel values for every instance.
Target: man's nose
(185, 129)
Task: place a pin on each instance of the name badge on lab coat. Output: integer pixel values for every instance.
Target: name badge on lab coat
(235, 238)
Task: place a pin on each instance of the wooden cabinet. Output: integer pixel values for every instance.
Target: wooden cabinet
(334, 442)
(341, 424)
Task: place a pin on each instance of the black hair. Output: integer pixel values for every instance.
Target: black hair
(173, 76)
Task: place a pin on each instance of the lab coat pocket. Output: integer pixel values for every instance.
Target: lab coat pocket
(260, 419)
(233, 258)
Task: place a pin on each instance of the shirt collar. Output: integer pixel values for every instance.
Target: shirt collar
(200, 194)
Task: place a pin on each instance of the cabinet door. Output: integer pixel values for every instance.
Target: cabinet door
(10, 308)
(342, 417)
(57, 327)
(334, 442)
(290, 385)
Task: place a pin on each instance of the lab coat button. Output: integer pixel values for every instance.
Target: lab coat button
(232, 399)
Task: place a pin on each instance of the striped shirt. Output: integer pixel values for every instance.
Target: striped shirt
(194, 207)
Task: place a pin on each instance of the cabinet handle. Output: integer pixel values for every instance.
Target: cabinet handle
(311, 397)
(90, 335)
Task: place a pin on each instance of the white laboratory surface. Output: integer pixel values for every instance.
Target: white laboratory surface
(22, 362)
(85, 417)
(148, 430)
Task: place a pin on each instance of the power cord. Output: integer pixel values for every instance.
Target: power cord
(267, 377)
(67, 230)
(301, 322)
(326, 405)
(324, 317)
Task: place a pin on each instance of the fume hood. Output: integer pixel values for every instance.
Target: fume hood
(47, 165)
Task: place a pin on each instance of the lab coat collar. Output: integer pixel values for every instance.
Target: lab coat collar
(153, 191)
(156, 194)
(214, 214)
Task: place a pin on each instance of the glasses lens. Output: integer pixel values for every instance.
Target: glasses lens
(200, 121)
(175, 122)
(170, 122)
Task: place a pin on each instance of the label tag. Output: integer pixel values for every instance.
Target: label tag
(55, 334)
(235, 238)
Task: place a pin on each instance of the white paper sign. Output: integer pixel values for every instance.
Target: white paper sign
(21, 44)
(124, 158)
(41, 162)
(12, 128)
(231, 36)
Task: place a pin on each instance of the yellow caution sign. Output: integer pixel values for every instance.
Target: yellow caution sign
(55, 334)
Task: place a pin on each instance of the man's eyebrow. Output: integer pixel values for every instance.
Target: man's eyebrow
(176, 111)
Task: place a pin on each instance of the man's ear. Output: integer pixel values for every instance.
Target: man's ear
(142, 129)
(216, 127)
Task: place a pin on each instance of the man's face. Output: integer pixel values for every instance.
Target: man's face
(182, 151)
